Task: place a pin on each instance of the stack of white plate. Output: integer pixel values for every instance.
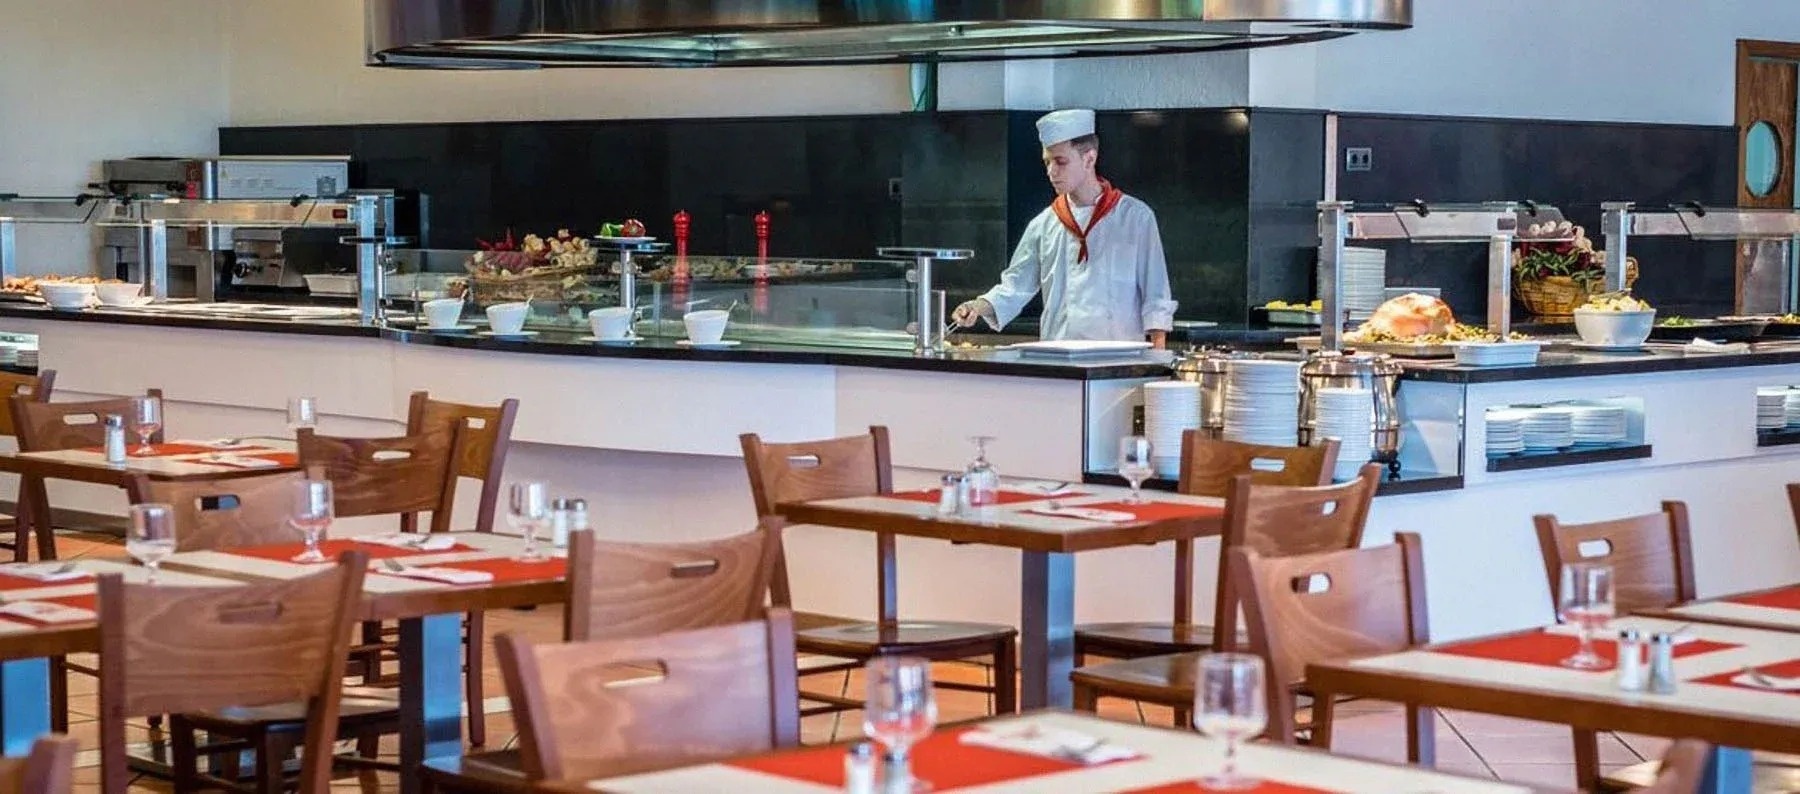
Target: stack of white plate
(1549, 428)
(1262, 402)
(28, 357)
(1771, 407)
(1348, 415)
(1170, 407)
(9, 355)
(1365, 278)
(1598, 424)
(1505, 432)
(1791, 409)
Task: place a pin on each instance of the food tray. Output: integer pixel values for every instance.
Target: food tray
(1294, 317)
(1497, 354)
(1710, 330)
(1396, 349)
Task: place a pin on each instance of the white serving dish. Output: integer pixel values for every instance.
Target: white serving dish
(611, 324)
(119, 294)
(507, 319)
(443, 312)
(1614, 329)
(1079, 347)
(1497, 354)
(62, 295)
(331, 283)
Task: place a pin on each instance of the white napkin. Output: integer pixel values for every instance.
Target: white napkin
(45, 572)
(1089, 513)
(46, 612)
(239, 462)
(1059, 743)
(435, 541)
(445, 575)
(1044, 487)
(1774, 683)
(1704, 346)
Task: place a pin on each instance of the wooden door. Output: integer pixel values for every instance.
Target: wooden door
(1767, 76)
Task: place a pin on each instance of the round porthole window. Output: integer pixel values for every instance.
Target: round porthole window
(1762, 159)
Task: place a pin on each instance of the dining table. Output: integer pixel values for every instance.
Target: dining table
(1057, 751)
(169, 460)
(1735, 687)
(1048, 523)
(1773, 608)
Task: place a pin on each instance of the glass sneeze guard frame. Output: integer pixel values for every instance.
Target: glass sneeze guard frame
(15, 209)
(1756, 230)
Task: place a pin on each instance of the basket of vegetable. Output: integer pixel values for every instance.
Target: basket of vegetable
(537, 268)
(1556, 269)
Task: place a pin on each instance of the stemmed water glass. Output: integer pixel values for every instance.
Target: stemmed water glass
(146, 420)
(899, 711)
(303, 414)
(527, 510)
(1134, 465)
(982, 478)
(1229, 704)
(151, 537)
(1586, 602)
(312, 516)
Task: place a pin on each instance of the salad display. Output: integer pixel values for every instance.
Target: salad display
(1615, 302)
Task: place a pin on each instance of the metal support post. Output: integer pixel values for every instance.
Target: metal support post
(1615, 227)
(1499, 286)
(1334, 228)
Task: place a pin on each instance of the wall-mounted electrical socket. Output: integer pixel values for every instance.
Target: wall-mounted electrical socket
(1359, 158)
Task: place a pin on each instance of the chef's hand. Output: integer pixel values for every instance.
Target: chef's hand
(1158, 339)
(969, 312)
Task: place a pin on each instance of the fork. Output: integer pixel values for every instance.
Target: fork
(394, 565)
(1079, 756)
(1764, 679)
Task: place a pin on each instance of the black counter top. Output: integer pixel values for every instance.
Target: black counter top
(1562, 361)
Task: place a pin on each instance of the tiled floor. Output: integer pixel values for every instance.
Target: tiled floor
(1472, 744)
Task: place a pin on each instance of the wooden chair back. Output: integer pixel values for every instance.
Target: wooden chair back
(47, 426)
(1210, 466)
(1281, 521)
(224, 512)
(1682, 766)
(586, 709)
(1793, 492)
(832, 468)
(403, 475)
(1651, 557)
(478, 437)
(48, 769)
(36, 388)
(619, 590)
(1328, 605)
(251, 645)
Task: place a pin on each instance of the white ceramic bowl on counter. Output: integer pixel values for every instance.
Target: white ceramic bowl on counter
(706, 327)
(507, 319)
(63, 295)
(443, 313)
(1614, 329)
(611, 323)
(119, 294)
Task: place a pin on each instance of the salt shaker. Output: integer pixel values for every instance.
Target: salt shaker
(566, 515)
(1630, 672)
(1662, 664)
(859, 769)
(950, 495)
(115, 438)
(896, 773)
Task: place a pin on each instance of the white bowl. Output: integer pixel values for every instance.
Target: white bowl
(443, 312)
(1614, 329)
(706, 327)
(119, 294)
(66, 296)
(507, 318)
(612, 322)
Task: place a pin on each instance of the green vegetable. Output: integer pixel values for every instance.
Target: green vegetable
(1677, 322)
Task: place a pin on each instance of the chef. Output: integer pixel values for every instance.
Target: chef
(1095, 253)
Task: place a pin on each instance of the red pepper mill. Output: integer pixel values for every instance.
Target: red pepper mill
(759, 296)
(679, 283)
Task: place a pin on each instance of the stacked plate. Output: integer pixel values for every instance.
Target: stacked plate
(1170, 407)
(1771, 408)
(1598, 424)
(1262, 402)
(1505, 432)
(1791, 409)
(1549, 428)
(1365, 278)
(1348, 415)
(28, 357)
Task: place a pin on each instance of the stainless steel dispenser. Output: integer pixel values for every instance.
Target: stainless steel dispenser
(1378, 373)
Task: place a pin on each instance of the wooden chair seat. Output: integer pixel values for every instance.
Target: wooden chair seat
(495, 772)
(921, 638)
(1131, 640)
(354, 714)
(1772, 773)
(1166, 680)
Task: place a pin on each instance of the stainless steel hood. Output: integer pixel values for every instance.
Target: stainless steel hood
(515, 34)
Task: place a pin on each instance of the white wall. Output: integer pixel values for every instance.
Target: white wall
(87, 80)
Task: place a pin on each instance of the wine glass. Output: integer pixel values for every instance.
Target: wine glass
(527, 510)
(1134, 464)
(151, 538)
(303, 414)
(312, 516)
(1587, 602)
(146, 420)
(982, 478)
(899, 710)
(1229, 704)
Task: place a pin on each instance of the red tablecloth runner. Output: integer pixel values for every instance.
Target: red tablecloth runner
(25, 583)
(286, 552)
(506, 569)
(1785, 598)
(942, 760)
(1159, 511)
(1787, 669)
(930, 496)
(1265, 787)
(1546, 649)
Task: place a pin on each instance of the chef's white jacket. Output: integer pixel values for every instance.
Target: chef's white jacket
(1118, 294)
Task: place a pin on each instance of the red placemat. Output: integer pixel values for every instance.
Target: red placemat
(286, 552)
(25, 583)
(1787, 669)
(942, 760)
(930, 496)
(1160, 511)
(1548, 650)
(1265, 787)
(281, 458)
(506, 570)
(1785, 598)
(156, 450)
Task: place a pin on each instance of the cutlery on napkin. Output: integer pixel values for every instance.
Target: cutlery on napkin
(436, 541)
(1041, 488)
(1757, 679)
(226, 443)
(46, 612)
(445, 575)
(1060, 743)
(1089, 513)
(62, 572)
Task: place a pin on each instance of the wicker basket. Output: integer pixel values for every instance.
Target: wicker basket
(552, 285)
(1557, 297)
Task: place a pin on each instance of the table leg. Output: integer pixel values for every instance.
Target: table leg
(1728, 771)
(431, 693)
(24, 704)
(1047, 629)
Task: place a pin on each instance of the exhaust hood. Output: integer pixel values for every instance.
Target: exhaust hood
(526, 34)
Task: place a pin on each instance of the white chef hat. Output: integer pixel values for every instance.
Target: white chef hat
(1064, 125)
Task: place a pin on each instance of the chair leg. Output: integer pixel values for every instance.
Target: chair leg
(1587, 759)
(1323, 709)
(59, 695)
(184, 761)
(1183, 716)
(269, 756)
(43, 529)
(21, 535)
(474, 688)
(1006, 677)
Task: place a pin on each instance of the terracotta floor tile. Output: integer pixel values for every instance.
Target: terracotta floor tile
(1646, 747)
(1382, 736)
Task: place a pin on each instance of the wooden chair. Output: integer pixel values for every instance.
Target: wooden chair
(37, 388)
(1681, 767)
(1333, 605)
(49, 769)
(722, 692)
(1208, 468)
(860, 466)
(1274, 520)
(45, 427)
(226, 512)
(258, 645)
(1793, 492)
(1653, 567)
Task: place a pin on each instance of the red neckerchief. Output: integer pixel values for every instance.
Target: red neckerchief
(1109, 198)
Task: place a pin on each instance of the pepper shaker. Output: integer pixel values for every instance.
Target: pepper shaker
(1662, 664)
(950, 495)
(115, 438)
(896, 773)
(566, 516)
(859, 769)
(1630, 672)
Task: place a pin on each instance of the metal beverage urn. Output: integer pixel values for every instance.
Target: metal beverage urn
(1378, 373)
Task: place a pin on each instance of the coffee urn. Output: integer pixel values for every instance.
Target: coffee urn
(1378, 373)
